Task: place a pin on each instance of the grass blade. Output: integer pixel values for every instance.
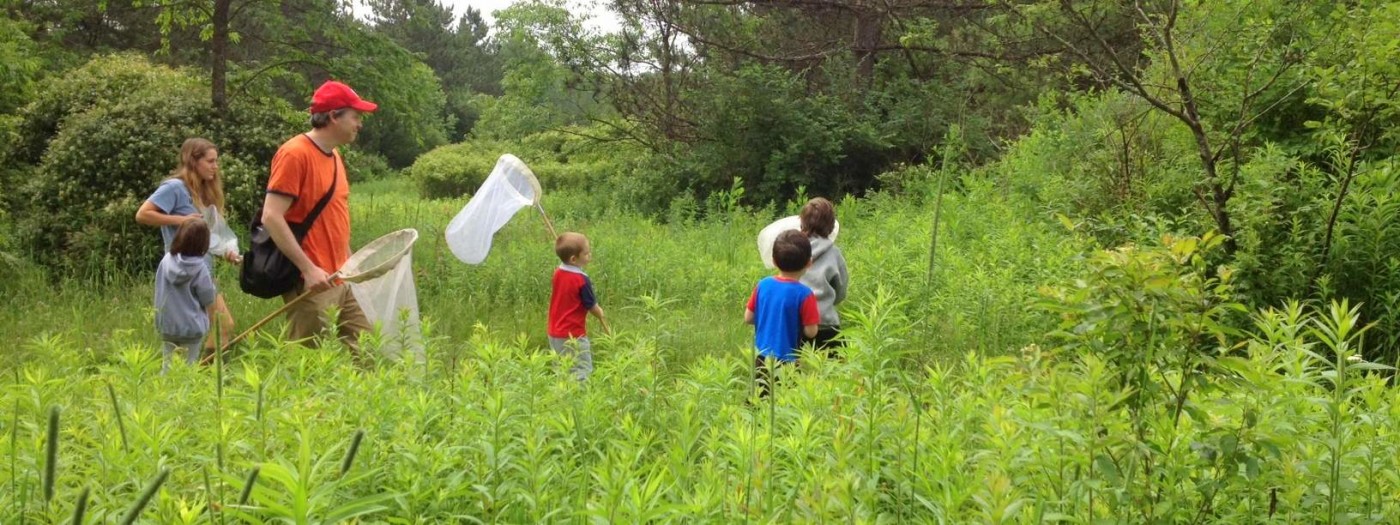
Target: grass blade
(145, 498)
(248, 486)
(117, 411)
(51, 455)
(80, 510)
(350, 454)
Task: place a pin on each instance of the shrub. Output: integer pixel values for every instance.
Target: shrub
(455, 170)
(560, 160)
(111, 151)
(766, 128)
(361, 165)
(101, 81)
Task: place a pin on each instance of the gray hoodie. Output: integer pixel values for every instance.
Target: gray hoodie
(184, 290)
(828, 278)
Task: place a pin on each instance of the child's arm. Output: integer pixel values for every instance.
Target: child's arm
(842, 280)
(753, 303)
(589, 298)
(811, 316)
(204, 290)
(597, 311)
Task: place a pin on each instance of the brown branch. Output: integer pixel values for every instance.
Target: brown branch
(247, 81)
(1133, 84)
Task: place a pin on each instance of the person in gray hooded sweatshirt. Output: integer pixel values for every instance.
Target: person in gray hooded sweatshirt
(827, 277)
(184, 291)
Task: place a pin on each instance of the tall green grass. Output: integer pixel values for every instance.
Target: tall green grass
(686, 283)
(952, 404)
(1290, 429)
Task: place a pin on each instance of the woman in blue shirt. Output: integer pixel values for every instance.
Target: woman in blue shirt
(194, 185)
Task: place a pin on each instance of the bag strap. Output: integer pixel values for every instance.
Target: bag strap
(305, 226)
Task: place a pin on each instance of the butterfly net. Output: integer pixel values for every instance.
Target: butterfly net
(380, 275)
(510, 187)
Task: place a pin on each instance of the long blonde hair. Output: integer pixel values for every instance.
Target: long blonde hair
(204, 193)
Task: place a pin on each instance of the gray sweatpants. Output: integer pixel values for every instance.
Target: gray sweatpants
(190, 347)
(581, 350)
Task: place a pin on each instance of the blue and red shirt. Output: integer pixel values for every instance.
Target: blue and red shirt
(569, 305)
(781, 307)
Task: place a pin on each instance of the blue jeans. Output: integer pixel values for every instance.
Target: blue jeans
(580, 349)
(190, 346)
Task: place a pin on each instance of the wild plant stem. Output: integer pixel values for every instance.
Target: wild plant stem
(219, 400)
(117, 412)
(80, 509)
(350, 454)
(14, 458)
(772, 423)
(248, 486)
(145, 498)
(938, 206)
(51, 455)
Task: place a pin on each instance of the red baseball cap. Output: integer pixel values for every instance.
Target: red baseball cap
(335, 95)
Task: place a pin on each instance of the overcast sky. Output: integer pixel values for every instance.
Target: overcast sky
(599, 17)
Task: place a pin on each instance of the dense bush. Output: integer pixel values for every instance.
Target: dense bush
(1306, 183)
(763, 127)
(114, 142)
(455, 170)
(100, 82)
(361, 165)
(560, 159)
(19, 66)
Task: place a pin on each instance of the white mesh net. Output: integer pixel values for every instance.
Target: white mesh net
(379, 256)
(510, 187)
(380, 274)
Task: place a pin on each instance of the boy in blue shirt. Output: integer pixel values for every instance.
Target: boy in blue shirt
(782, 309)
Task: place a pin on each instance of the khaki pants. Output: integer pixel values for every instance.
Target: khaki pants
(307, 319)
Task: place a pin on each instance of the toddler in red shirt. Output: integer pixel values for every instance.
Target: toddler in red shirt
(573, 299)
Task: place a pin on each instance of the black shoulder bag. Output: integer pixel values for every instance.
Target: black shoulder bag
(267, 272)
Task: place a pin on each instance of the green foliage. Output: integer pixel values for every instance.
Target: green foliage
(538, 90)
(457, 49)
(99, 82)
(411, 118)
(1288, 427)
(1363, 266)
(122, 123)
(1106, 155)
(361, 166)
(561, 159)
(764, 128)
(455, 170)
(1149, 310)
(1298, 105)
(19, 66)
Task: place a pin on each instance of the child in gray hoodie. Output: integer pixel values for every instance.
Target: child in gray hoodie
(184, 291)
(827, 277)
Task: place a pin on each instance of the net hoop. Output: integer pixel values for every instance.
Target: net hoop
(379, 256)
(509, 164)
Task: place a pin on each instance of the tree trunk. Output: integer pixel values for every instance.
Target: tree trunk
(868, 32)
(218, 82)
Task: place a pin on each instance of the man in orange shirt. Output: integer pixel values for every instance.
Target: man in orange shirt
(304, 170)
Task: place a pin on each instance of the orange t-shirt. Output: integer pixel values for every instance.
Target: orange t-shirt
(303, 171)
